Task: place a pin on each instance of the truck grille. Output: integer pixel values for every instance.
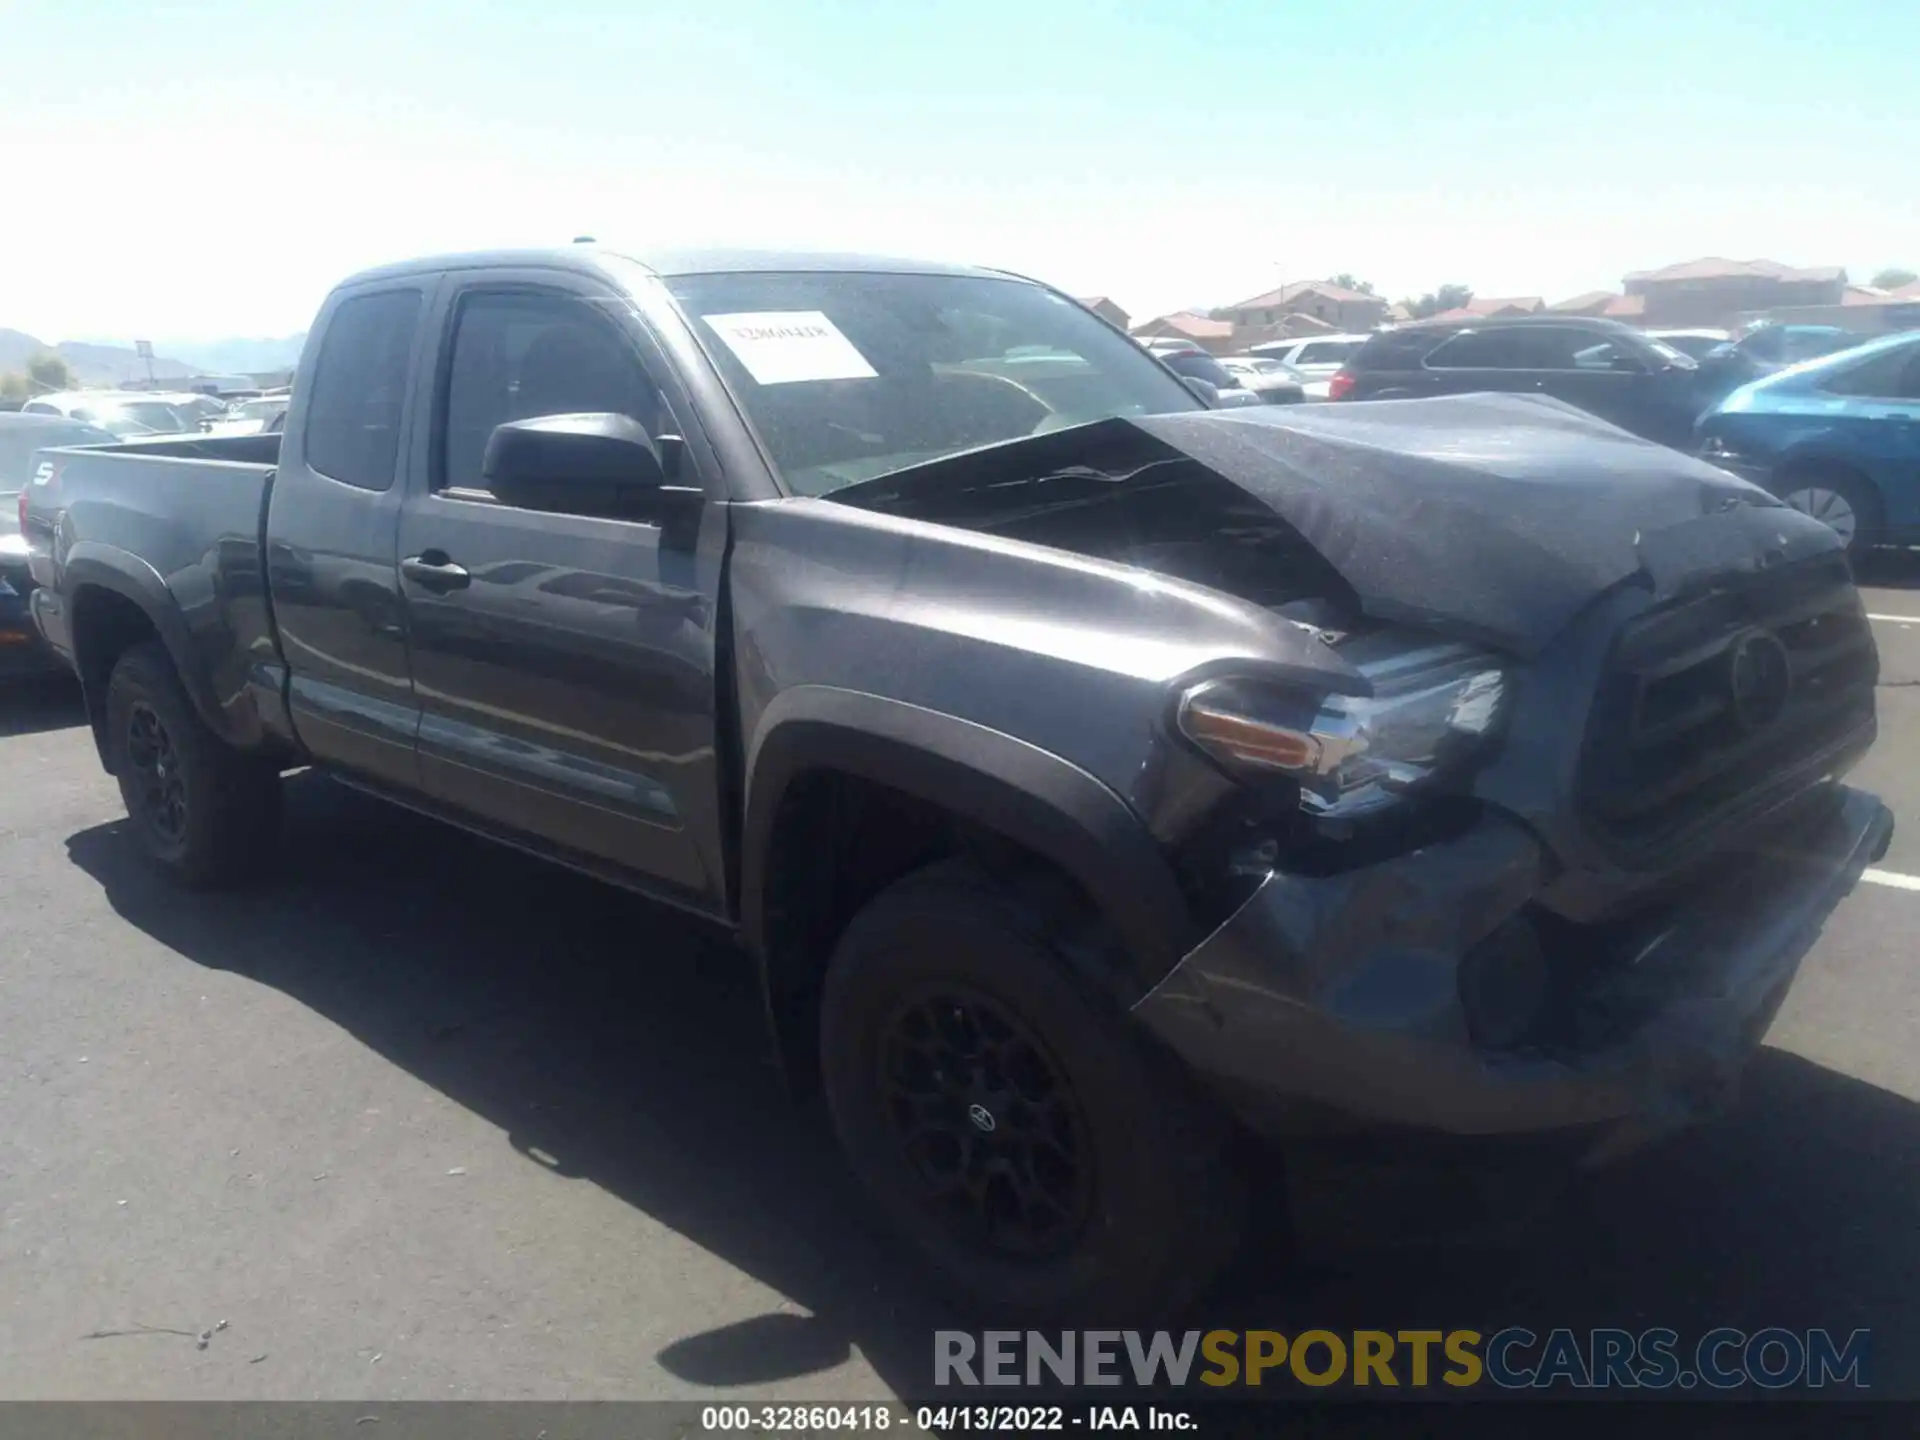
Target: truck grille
(1716, 706)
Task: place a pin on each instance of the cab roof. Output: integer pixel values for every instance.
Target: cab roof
(592, 259)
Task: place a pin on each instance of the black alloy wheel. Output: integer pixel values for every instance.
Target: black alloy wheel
(1008, 1121)
(158, 782)
(203, 811)
(987, 1120)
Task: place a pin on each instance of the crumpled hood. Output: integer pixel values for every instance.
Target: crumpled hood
(1494, 518)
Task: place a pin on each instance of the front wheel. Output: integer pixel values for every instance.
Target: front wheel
(1018, 1134)
(1844, 503)
(203, 812)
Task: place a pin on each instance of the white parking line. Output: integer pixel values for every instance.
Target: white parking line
(1892, 878)
(1896, 619)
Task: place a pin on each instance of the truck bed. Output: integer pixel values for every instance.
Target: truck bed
(234, 449)
(177, 515)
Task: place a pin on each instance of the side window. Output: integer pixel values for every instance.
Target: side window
(359, 388)
(1577, 350)
(1893, 375)
(38, 407)
(1811, 344)
(1480, 350)
(518, 354)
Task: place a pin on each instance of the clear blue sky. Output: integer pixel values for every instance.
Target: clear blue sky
(200, 170)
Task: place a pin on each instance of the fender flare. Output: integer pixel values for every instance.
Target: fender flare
(1030, 795)
(90, 564)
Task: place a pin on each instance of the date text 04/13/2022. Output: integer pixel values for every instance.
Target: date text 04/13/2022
(1006, 1419)
(1031, 1419)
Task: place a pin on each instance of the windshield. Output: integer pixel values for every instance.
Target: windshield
(846, 375)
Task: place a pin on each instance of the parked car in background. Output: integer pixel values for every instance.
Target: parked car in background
(250, 417)
(22, 651)
(1837, 438)
(224, 387)
(1317, 359)
(1273, 382)
(1696, 343)
(1607, 369)
(1192, 364)
(193, 406)
(1765, 349)
(127, 416)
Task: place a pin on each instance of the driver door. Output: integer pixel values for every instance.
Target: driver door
(563, 663)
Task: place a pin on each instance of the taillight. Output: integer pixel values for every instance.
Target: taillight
(23, 512)
(1341, 385)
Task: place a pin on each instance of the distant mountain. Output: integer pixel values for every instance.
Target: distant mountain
(16, 348)
(110, 364)
(238, 356)
(91, 364)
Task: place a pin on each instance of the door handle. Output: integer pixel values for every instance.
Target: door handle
(432, 570)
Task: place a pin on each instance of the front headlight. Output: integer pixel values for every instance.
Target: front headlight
(1433, 706)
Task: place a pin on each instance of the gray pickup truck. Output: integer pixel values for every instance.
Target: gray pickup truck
(1093, 776)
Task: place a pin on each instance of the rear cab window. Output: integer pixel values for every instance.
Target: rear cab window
(358, 396)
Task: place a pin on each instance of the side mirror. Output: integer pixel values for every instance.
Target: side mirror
(561, 455)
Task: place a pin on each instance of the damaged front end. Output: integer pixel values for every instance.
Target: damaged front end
(1545, 853)
(1428, 992)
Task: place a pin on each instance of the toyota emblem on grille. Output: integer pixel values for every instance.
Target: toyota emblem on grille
(1759, 680)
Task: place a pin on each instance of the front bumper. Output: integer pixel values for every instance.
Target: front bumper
(1338, 999)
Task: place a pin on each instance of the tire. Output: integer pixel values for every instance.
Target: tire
(1130, 1207)
(204, 813)
(1845, 502)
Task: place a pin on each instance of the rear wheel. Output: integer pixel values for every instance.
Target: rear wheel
(1019, 1134)
(203, 812)
(1842, 501)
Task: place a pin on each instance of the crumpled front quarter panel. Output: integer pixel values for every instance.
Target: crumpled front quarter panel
(1075, 656)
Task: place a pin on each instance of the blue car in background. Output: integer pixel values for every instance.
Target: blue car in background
(1837, 438)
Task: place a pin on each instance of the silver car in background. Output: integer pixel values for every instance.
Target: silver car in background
(1316, 358)
(126, 415)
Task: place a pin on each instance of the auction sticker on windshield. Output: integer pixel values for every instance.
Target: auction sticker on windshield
(779, 347)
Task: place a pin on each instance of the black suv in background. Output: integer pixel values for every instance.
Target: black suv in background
(1607, 369)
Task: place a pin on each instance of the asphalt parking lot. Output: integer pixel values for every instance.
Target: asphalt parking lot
(422, 1119)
